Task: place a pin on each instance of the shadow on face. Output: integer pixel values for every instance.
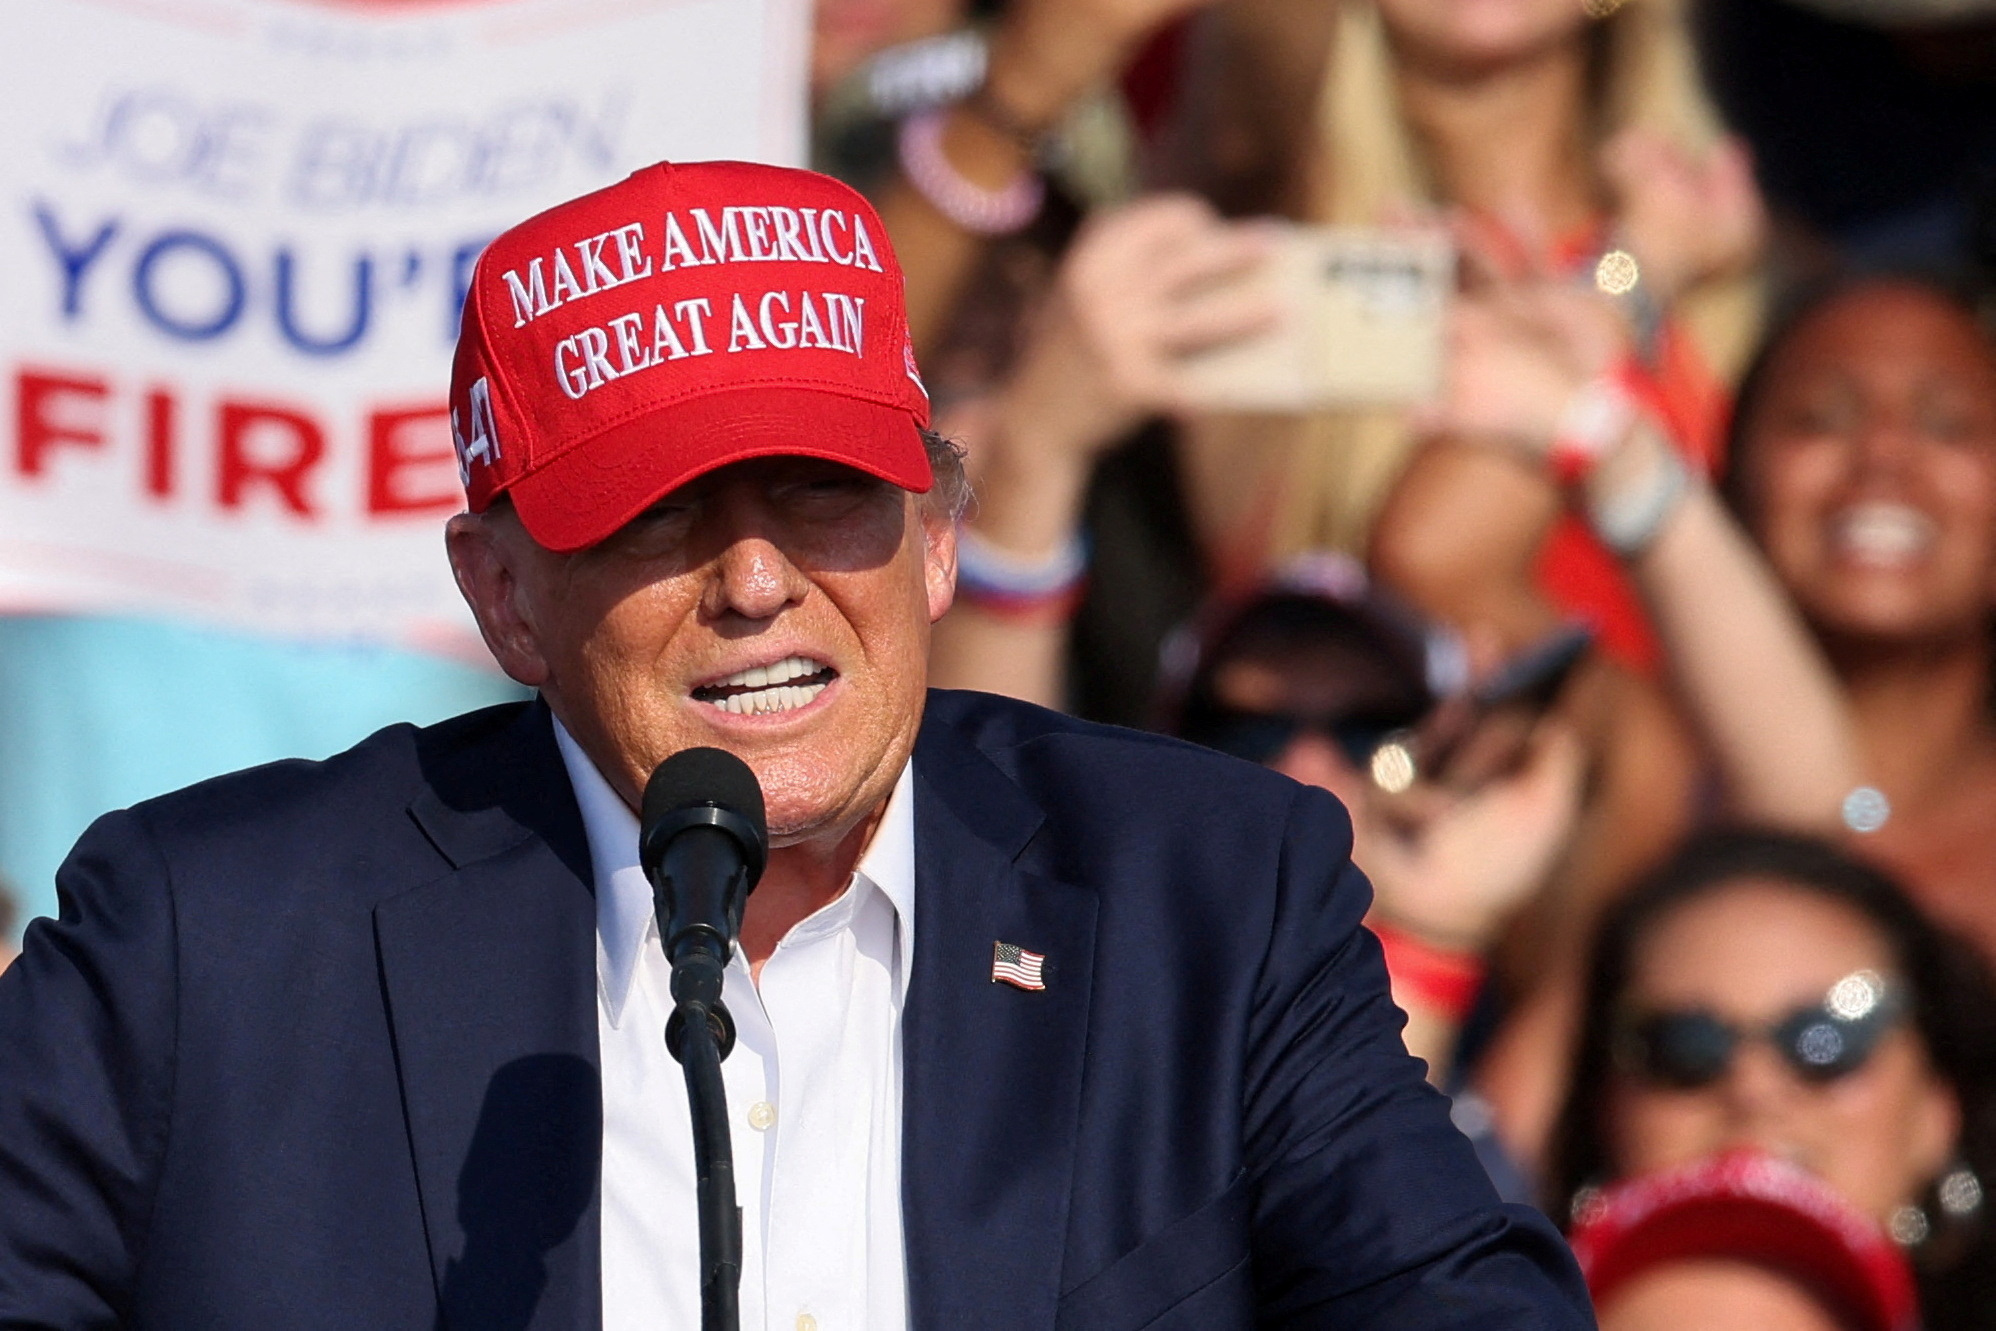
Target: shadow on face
(1867, 465)
(777, 608)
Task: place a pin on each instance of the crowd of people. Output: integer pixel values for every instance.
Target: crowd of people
(1650, 653)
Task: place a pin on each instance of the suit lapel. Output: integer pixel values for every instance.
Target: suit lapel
(992, 1074)
(490, 977)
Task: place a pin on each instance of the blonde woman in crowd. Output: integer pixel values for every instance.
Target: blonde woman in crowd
(1553, 132)
(1549, 135)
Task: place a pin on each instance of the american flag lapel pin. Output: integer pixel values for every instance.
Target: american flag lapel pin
(1016, 966)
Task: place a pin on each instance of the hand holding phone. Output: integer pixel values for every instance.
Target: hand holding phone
(1144, 287)
(1361, 324)
(1452, 867)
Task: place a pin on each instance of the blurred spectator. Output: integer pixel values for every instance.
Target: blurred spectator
(1554, 136)
(1766, 990)
(970, 169)
(1540, 371)
(1551, 134)
(1864, 471)
(1865, 468)
(1741, 1242)
(1139, 285)
(1331, 681)
(1537, 368)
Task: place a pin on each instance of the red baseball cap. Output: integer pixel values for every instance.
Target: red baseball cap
(695, 314)
(1754, 1208)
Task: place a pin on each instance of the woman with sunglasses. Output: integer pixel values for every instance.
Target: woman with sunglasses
(1460, 800)
(1766, 990)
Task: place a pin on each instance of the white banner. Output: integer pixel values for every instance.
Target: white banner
(235, 240)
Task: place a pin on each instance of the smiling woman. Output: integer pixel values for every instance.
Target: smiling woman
(1865, 469)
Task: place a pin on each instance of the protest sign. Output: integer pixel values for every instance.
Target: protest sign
(236, 239)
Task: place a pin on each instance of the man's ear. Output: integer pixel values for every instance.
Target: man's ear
(938, 560)
(486, 559)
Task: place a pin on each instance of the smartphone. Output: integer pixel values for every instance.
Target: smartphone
(1469, 740)
(1361, 326)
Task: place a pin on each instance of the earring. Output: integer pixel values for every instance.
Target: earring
(1908, 1226)
(1960, 1192)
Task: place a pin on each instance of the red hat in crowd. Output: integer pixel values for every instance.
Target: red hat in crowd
(1757, 1209)
(692, 315)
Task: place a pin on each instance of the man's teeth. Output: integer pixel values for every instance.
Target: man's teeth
(781, 686)
(1883, 533)
(782, 698)
(779, 672)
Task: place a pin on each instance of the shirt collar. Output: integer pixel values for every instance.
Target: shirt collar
(889, 864)
(624, 921)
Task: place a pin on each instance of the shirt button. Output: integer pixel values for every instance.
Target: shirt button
(760, 1115)
(806, 1322)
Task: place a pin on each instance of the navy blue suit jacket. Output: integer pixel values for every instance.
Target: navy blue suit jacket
(315, 1046)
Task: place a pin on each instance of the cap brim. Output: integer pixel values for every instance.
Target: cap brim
(581, 497)
(1760, 1232)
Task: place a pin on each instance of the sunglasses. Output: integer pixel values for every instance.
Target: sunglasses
(1260, 736)
(1692, 1049)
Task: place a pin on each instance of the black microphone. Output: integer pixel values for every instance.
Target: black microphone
(702, 842)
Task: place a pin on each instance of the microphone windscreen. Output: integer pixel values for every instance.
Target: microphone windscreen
(695, 777)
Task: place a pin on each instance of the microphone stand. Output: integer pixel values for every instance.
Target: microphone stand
(703, 856)
(701, 1034)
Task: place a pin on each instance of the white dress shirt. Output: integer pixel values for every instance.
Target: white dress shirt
(814, 1094)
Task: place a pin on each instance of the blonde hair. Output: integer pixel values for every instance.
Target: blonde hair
(1365, 166)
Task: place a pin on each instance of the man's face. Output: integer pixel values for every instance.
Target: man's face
(778, 608)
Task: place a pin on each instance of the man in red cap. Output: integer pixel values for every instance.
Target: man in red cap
(1041, 1024)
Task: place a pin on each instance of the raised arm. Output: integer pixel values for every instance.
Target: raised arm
(1045, 56)
(1534, 368)
(1141, 286)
